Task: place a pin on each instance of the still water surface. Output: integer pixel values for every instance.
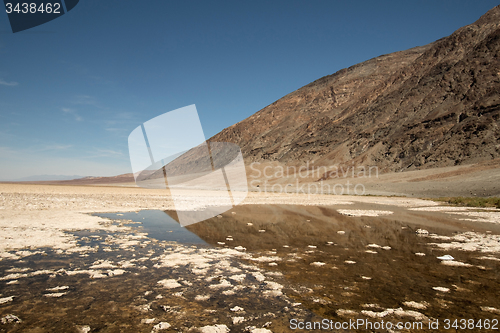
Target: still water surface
(299, 262)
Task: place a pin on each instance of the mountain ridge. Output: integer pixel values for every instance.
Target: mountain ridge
(430, 106)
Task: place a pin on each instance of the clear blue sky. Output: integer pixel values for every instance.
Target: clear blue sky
(73, 89)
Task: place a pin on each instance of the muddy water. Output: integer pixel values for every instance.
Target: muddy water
(253, 267)
(366, 265)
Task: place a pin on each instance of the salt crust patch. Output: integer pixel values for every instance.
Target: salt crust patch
(398, 312)
(416, 305)
(455, 263)
(266, 259)
(214, 329)
(236, 309)
(469, 241)
(274, 289)
(317, 264)
(161, 326)
(258, 276)
(117, 271)
(103, 264)
(16, 276)
(345, 313)
(489, 217)
(57, 288)
(274, 285)
(97, 274)
(490, 309)
(238, 320)
(18, 231)
(238, 278)
(199, 261)
(222, 284)
(488, 258)
(10, 318)
(126, 263)
(362, 212)
(259, 330)
(169, 283)
(201, 298)
(26, 253)
(55, 295)
(7, 255)
(83, 329)
(93, 274)
(6, 299)
(148, 320)
(443, 209)
(143, 307)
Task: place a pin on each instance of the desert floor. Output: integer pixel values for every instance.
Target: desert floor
(274, 258)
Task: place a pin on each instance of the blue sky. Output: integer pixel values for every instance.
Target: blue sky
(73, 89)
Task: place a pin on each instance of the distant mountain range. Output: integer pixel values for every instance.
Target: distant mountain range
(76, 180)
(46, 178)
(431, 106)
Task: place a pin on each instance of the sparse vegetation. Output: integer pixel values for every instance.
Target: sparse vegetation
(472, 202)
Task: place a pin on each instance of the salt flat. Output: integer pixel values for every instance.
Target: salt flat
(275, 257)
(37, 215)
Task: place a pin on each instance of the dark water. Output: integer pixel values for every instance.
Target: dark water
(158, 225)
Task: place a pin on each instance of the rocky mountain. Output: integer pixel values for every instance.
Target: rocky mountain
(431, 106)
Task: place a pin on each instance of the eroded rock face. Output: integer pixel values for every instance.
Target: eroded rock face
(431, 106)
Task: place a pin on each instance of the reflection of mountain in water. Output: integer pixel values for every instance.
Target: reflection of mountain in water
(265, 227)
(373, 260)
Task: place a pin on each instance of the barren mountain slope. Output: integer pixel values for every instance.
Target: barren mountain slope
(431, 106)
